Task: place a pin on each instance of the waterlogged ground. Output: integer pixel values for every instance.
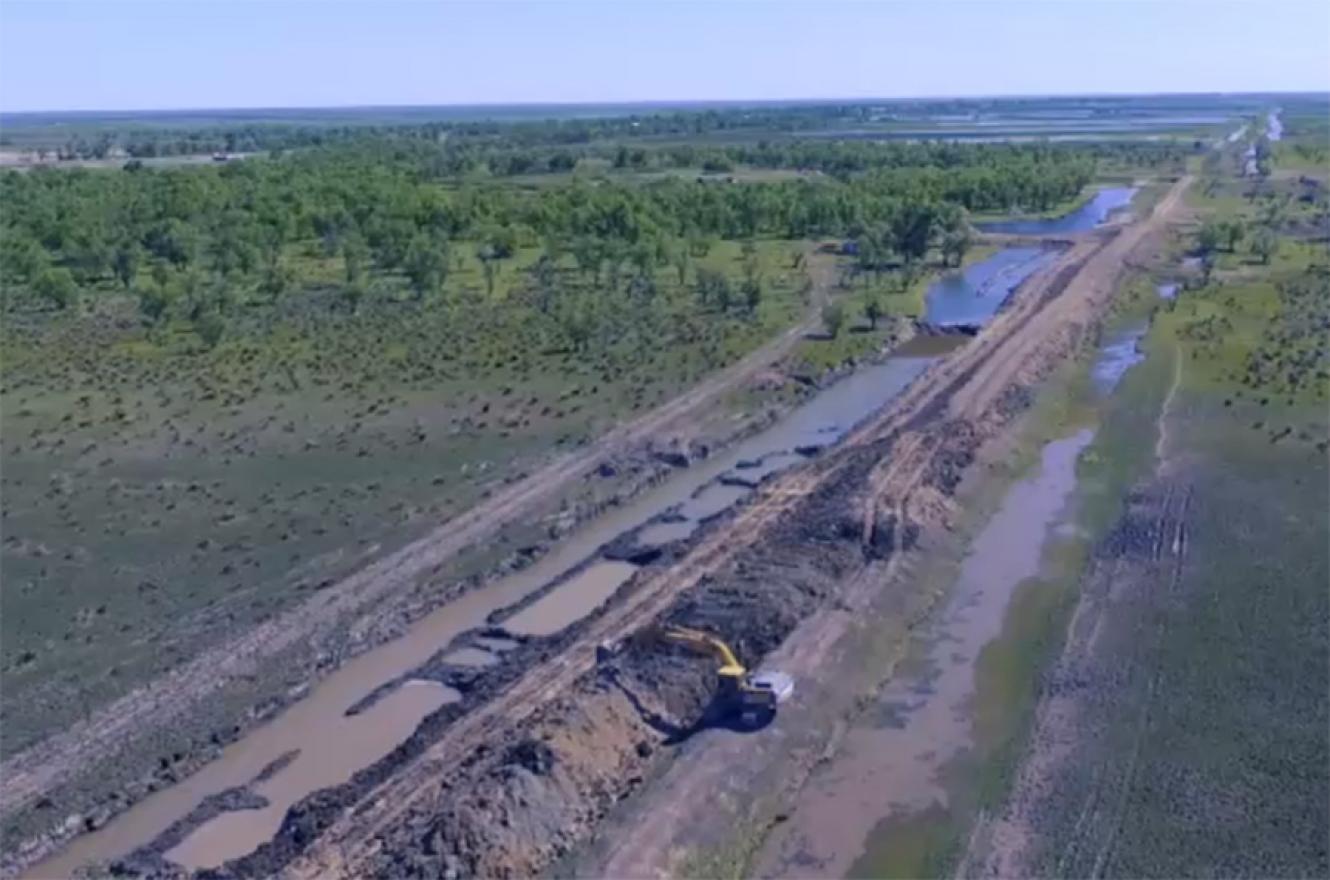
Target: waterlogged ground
(892, 764)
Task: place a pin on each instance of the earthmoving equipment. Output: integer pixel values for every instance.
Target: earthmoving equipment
(753, 697)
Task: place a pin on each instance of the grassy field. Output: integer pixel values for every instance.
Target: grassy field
(1201, 741)
(159, 494)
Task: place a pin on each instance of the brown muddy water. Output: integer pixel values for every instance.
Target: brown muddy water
(332, 746)
(891, 763)
(572, 600)
(325, 761)
(470, 656)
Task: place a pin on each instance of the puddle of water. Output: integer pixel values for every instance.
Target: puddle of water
(712, 500)
(665, 532)
(1118, 355)
(323, 761)
(770, 465)
(491, 643)
(1168, 291)
(1088, 216)
(470, 657)
(893, 769)
(323, 710)
(926, 345)
(972, 296)
(572, 600)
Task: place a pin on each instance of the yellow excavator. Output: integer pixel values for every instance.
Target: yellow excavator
(753, 697)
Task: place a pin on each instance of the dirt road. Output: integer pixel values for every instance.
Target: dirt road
(32, 773)
(921, 426)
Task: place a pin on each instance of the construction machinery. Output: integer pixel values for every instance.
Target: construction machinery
(752, 697)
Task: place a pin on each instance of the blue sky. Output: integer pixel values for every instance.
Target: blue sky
(116, 54)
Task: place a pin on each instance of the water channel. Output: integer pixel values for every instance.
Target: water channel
(330, 746)
(1093, 213)
(972, 295)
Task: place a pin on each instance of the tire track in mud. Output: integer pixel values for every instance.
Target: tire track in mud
(1014, 349)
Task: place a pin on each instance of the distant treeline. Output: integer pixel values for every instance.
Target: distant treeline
(149, 139)
(235, 220)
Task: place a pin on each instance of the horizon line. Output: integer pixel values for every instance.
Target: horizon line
(667, 102)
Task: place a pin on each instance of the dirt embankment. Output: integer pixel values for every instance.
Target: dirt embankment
(513, 785)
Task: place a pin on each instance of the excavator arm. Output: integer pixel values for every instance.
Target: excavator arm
(730, 667)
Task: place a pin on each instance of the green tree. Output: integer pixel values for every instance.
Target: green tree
(1264, 245)
(56, 285)
(833, 318)
(355, 257)
(125, 262)
(752, 292)
(1234, 231)
(955, 244)
(426, 265)
(278, 278)
(21, 257)
(155, 300)
(1210, 235)
(873, 309)
(712, 289)
(211, 327)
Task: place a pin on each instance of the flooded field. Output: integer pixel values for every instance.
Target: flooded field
(892, 763)
(971, 296)
(1093, 213)
(1118, 355)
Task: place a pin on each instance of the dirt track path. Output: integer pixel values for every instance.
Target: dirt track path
(1072, 289)
(78, 749)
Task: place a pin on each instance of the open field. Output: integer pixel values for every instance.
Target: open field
(413, 432)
